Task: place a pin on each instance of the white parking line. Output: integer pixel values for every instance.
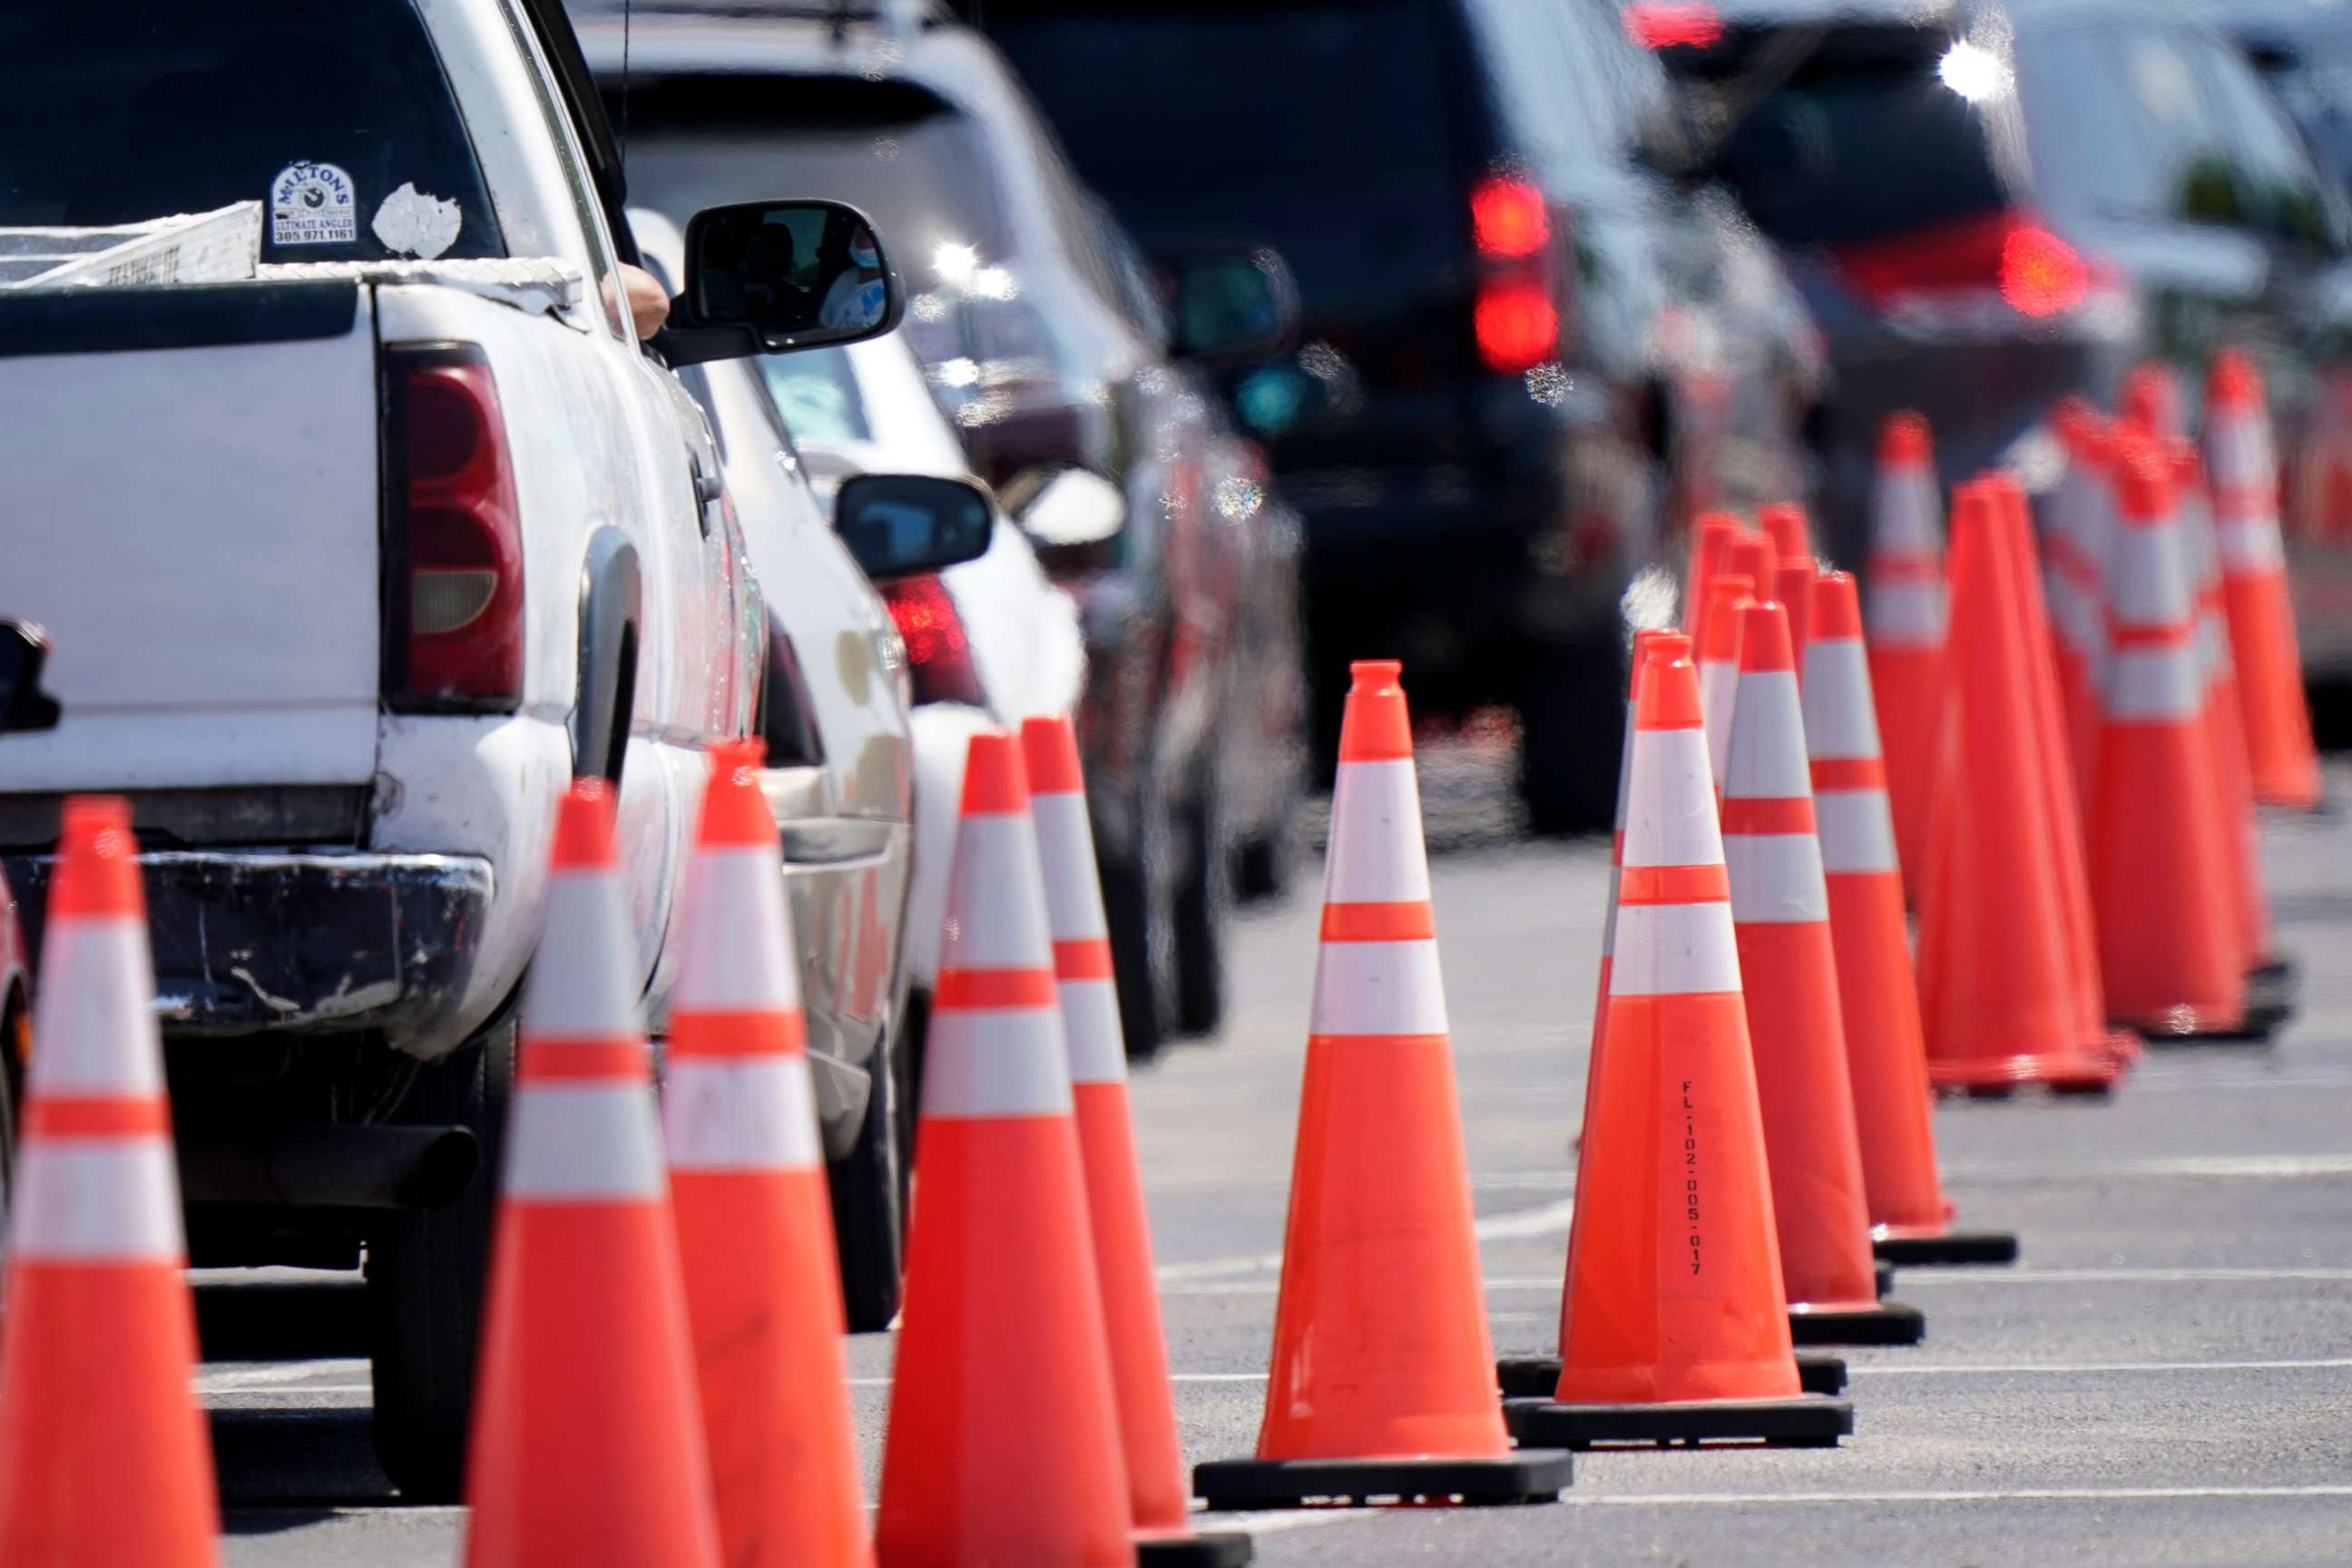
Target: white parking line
(269, 1374)
(2232, 1167)
(1515, 1225)
(1896, 1369)
(2021, 1494)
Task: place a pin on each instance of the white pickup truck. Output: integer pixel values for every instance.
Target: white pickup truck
(350, 566)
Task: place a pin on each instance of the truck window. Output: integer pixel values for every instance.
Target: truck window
(333, 114)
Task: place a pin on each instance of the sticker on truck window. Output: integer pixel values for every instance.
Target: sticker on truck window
(312, 204)
(411, 223)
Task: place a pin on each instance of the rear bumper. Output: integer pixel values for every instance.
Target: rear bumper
(323, 943)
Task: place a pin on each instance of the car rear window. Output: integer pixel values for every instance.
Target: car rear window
(1338, 132)
(1862, 143)
(320, 109)
(914, 163)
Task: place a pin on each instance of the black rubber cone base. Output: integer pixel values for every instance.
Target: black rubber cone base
(1207, 1549)
(1952, 1246)
(1537, 1376)
(1885, 1273)
(1529, 1475)
(1808, 1421)
(1889, 1323)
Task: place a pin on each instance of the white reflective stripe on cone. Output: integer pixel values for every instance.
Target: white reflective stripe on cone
(1090, 1024)
(1376, 855)
(740, 1113)
(996, 1061)
(736, 956)
(996, 905)
(1904, 513)
(1857, 830)
(1670, 819)
(2147, 579)
(1065, 857)
(1378, 988)
(2213, 649)
(591, 1141)
(96, 1200)
(2155, 684)
(1904, 614)
(1768, 740)
(583, 981)
(94, 1011)
(2239, 451)
(1776, 879)
(1674, 950)
(2250, 545)
(1718, 700)
(1838, 721)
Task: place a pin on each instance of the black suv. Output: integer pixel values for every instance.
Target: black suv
(1486, 416)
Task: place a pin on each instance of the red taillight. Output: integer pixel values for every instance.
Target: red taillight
(2040, 274)
(938, 652)
(1517, 325)
(2032, 270)
(1507, 218)
(1671, 27)
(455, 618)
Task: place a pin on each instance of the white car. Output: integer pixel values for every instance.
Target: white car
(989, 643)
(357, 552)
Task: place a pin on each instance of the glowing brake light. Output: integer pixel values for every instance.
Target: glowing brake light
(1507, 218)
(2040, 274)
(1672, 26)
(1515, 323)
(939, 651)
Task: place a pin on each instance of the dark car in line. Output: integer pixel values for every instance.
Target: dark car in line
(1990, 207)
(1047, 344)
(1526, 356)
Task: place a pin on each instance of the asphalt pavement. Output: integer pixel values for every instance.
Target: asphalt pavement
(2164, 1378)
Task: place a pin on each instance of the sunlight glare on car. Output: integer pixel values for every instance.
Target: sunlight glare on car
(1973, 71)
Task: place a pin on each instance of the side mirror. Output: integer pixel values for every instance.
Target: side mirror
(1070, 508)
(897, 525)
(1230, 307)
(770, 276)
(24, 652)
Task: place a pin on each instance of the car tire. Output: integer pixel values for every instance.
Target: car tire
(1142, 944)
(426, 1270)
(1572, 733)
(1204, 904)
(869, 1205)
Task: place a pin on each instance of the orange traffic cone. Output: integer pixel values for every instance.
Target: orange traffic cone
(1676, 1330)
(2081, 525)
(1159, 1498)
(1878, 998)
(1717, 649)
(1003, 1443)
(754, 1208)
(1711, 541)
(1780, 911)
(1753, 557)
(2061, 823)
(1999, 1004)
(103, 1456)
(1383, 1381)
(562, 1466)
(1532, 1376)
(2150, 399)
(1785, 524)
(1792, 585)
(2245, 470)
(1906, 631)
(2170, 952)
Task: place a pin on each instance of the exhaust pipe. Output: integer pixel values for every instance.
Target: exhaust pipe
(318, 1166)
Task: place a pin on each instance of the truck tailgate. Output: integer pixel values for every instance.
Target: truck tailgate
(189, 504)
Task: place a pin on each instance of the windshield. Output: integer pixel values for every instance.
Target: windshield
(334, 114)
(912, 164)
(1332, 132)
(817, 393)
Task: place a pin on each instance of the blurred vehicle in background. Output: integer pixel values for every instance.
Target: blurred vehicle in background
(23, 706)
(1522, 349)
(2303, 48)
(1989, 208)
(839, 780)
(1040, 336)
(989, 643)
